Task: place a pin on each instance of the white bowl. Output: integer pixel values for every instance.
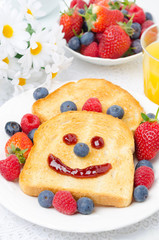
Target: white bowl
(104, 61)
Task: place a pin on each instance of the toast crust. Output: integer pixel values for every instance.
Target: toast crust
(78, 92)
(114, 188)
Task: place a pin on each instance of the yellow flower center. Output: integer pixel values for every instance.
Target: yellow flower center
(6, 60)
(22, 81)
(7, 31)
(29, 12)
(37, 50)
(54, 75)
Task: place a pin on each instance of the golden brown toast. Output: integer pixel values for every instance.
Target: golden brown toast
(79, 92)
(113, 188)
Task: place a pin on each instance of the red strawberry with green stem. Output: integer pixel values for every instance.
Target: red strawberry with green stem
(147, 138)
(99, 17)
(115, 40)
(72, 23)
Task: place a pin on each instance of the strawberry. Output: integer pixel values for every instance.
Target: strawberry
(99, 17)
(10, 168)
(144, 176)
(115, 41)
(72, 23)
(138, 13)
(20, 145)
(98, 37)
(147, 138)
(90, 50)
(78, 3)
(103, 3)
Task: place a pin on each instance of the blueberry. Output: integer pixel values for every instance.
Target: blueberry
(31, 134)
(137, 30)
(87, 38)
(45, 199)
(81, 149)
(116, 111)
(85, 205)
(124, 12)
(12, 127)
(151, 115)
(144, 163)
(140, 193)
(74, 43)
(136, 46)
(68, 106)
(85, 26)
(40, 92)
(148, 16)
(81, 11)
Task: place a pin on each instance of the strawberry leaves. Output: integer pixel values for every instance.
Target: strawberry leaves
(147, 119)
(18, 152)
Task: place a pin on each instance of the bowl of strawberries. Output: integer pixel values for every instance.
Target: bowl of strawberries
(105, 32)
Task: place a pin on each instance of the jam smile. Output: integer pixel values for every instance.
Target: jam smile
(90, 172)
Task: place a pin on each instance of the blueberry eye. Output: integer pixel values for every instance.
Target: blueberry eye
(97, 142)
(116, 111)
(70, 139)
(68, 106)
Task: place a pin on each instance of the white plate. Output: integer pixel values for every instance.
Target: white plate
(147, 6)
(103, 218)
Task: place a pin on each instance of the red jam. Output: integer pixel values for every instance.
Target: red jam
(70, 139)
(97, 142)
(89, 172)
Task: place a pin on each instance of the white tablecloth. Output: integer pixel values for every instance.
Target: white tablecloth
(14, 228)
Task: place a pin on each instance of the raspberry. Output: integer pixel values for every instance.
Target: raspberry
(98, 37)
(10, 168)
(79, 3)
(146, 25)
(90, 50)
(139, 15)
(29, 122)
(92, 104)
(144, 176)
(65, 203)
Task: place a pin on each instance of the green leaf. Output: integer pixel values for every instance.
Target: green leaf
(145, 117)
(29, 29)
(18, 56)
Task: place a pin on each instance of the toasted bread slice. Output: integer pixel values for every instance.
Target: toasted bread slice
(113, 188)
(79, 92)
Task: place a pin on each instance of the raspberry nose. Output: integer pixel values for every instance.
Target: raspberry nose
(81, 149)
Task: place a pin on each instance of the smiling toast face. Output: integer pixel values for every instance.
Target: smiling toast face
(79, 92)
(113, 188)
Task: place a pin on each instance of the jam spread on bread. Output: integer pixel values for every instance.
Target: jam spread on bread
(97, 142)
(70, 139)
(90, 172)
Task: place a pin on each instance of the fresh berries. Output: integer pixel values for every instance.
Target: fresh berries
(85, 205)
(20, 145)
(45, 198)
(29, 122)
(147, 138)
(87, 38)
(78, 3)
(12, 127)
(137, 30)
(74, 43)
(72, 23)
(136, 46)
(144, 163)
(64, 202)
(140, 193)
(144, 176)
(148, 16)
(116, 111)
(146, 25)
(81, 149)
(114, 43)
(92, 104)
(40, 92)
(151, 115)
(139, 15)
(68, 106)
(90, 50)
(31, 134)
(10, 168)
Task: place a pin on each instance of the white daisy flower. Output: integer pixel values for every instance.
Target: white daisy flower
(13, 36)
(25, 81)
(38, 55)
(31, 9)
(57, 39)
(3, 63)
